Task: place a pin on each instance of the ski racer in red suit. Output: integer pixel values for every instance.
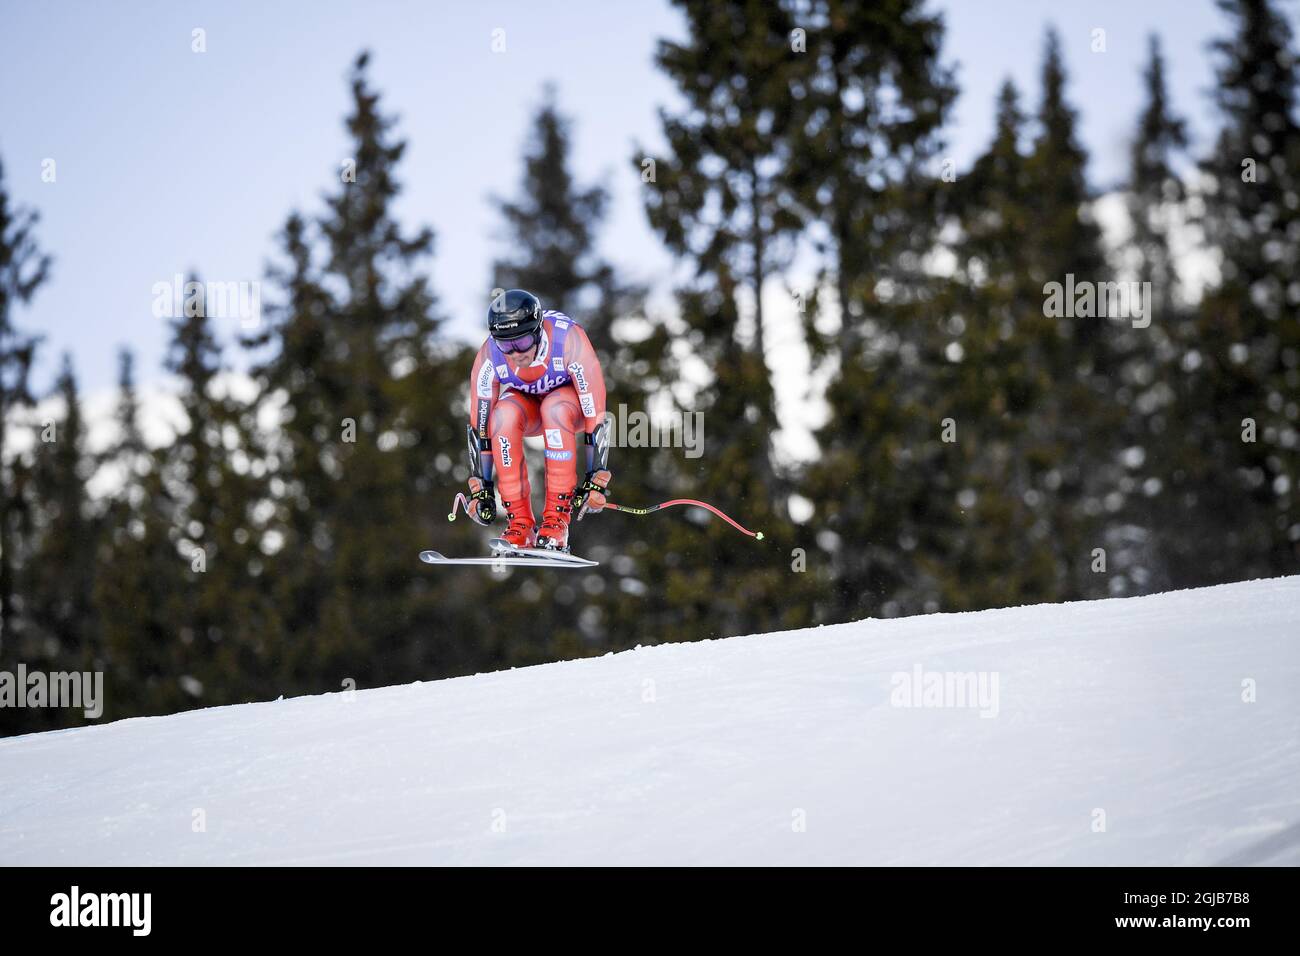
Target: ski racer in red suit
(537, 374)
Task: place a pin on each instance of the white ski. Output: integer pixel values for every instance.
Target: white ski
(509, 557)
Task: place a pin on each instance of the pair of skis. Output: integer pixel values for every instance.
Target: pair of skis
(504, 555)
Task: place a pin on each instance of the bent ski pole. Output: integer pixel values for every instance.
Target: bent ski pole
(685, 501)
(461, 502)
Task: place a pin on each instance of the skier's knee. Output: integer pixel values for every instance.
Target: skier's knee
(507, 417)
(562, 414)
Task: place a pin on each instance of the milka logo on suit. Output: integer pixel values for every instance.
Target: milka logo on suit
(542, 385)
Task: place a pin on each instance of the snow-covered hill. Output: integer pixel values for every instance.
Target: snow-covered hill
(1113, 732)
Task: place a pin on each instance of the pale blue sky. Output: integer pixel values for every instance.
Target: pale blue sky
(169, 160)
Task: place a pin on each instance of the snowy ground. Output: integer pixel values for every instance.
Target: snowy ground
(772, 749)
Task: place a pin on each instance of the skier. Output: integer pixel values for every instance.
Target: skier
(537, 374)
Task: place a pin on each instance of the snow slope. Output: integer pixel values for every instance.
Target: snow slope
(772, 749)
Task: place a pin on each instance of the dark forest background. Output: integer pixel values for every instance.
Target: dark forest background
(1086, 458)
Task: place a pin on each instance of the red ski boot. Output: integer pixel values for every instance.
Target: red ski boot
(522, 532)
(553, 535)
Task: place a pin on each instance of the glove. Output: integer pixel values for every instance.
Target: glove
(590, 495)
(483, 501)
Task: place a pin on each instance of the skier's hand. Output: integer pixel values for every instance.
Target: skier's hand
(590, 496)
(483, 501)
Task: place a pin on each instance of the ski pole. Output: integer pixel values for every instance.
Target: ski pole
(758, 535)
(458, 502)
(461, 502)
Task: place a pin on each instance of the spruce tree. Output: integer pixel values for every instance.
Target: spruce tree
(1238, 410)
(58, 576)
(550, 229)
(719, 199)
(872, 102)
(1154, 186)
(990, 383)
(23, 268)
(867, 171)
(1072, 430)
(369, 436)
(228, 628)
(1150, 377)
(140, 598)
(722, 200)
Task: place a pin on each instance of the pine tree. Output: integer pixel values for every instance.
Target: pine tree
(866, 170)
(990, 382)
(1154, 183)
(1237, 412)
(23, 268)
(1072, 430)
(140, 596)
(551, 227)
(370, 433)
(58, 577)
(1150, 376)
(227, 628)
(721, 199)
(1057, 168)
(872, 103)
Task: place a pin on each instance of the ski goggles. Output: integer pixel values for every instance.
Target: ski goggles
(521, 344)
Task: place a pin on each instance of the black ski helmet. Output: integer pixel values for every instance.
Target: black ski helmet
(514, 313)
